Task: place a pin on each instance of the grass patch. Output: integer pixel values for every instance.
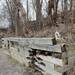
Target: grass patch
(29, 70)
(15, 62)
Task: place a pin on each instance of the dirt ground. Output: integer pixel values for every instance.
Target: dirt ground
(6, 68)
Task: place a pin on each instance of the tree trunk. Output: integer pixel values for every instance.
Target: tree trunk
(27, 9)
(38, 10)
(10, 11)
(73, 8)
(65, 15)
(55, 11)
(18, 16)
(50, 6)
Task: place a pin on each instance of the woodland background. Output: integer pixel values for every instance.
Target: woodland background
(37, 18)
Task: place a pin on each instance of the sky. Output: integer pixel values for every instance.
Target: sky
(4, 22)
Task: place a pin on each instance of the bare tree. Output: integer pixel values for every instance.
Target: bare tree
(53, 5)
(50, 6)
(10, 11)
(17, 14)
(55, 10)
(27, 9)
(38, 9)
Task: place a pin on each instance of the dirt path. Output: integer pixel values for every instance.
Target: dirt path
(6, 68)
